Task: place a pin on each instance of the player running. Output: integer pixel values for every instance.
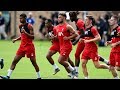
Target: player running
(114, 58)
(80, 46)
(65, 33)
(51, 34)
(26, 47)
(91, 49)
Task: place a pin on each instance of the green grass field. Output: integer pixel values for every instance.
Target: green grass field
(25, 70)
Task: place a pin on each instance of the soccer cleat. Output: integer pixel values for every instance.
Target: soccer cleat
(38, 78)
(5, 77)
(2, 63)
(56, 71)
(69, 75)
(76, 74)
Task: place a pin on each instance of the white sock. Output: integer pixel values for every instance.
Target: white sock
(76, 68)
(105, 61)
(38, 74)
(9, 72)
(70, 68)
(55, 66)
(86, 77)
(117, 77)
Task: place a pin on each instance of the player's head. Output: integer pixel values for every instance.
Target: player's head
(89, 20)
(30, 14)
(73, 15)
(48, 23)
(23, 18)
(113, 20)
(61, 17)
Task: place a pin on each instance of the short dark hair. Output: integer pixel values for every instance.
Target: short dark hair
(23, 15)
(63, 14)
(49, 20)
(73, 13)
(90, 17)
(115, 17)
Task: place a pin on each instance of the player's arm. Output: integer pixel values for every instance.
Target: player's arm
(16, 39)
(81, 35)
(96, 38)
(108, 43)
(31, 35)
(115, 44)
(72, 31)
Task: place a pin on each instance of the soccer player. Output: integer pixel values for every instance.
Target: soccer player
(91, 49)
(1, 63)
(65, 33)
(80, 46)
(26, 47)
(114, 58)
(51, 34)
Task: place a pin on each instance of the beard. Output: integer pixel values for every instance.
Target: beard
(60, 22)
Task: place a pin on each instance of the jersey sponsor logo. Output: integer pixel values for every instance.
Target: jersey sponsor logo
(60, 34)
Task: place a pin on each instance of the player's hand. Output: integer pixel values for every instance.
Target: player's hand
(66, 38)
(52, 36)
(107, 43)
(14, 40)
(23, 31)
(113, 45)
(118, 34)
(81, 40)
(86, 41)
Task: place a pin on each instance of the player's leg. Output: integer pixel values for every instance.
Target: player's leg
(30, 53)
(114, 72)
(34, 63)
(79, 50)
(12, 67)
(72, 64)
(84, 68)
(117, 60)
(2, 63)
(112, 63)
(51, 61)
(63, 61)
(103, 60)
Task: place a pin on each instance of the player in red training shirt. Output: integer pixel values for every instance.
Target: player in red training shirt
(91, 49)
(80, 46)
(51, 34)
(114, 58)
(65, 33)
(26, 47)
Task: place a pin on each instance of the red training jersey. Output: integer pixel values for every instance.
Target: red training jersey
(53, 29)
(115, 38)
(25, 39)
(61, 31)
(90, 33)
